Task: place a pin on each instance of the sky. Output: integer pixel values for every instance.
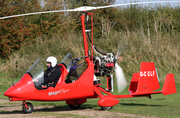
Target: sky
(128, 1)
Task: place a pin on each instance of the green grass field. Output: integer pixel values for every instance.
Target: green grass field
(159, 105)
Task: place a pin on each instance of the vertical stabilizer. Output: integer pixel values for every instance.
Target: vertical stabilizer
(148, 81)
(134, 83)
(169, 85)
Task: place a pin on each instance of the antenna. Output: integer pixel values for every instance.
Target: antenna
(14, 72)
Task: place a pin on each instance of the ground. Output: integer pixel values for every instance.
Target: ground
(14, 109)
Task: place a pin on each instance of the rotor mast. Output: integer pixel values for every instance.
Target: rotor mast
(84, 32)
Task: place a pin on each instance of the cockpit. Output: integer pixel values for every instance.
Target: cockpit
(36, 71)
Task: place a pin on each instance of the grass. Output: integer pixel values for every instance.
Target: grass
(5, 83)
(158, 106)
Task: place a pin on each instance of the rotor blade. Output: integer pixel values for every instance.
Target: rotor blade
(27, 14)
(87, 8)
(121, 80)
(125, 4)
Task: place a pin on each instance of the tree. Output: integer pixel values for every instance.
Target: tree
(15, 31)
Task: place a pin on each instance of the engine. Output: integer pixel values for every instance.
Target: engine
(104, 65)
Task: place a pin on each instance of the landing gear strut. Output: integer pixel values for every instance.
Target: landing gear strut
(27, 107)
(106, 108)
(74, 106)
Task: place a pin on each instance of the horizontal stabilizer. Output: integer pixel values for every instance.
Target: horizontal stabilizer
(169, 85)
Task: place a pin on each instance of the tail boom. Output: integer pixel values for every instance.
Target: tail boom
(143, 84)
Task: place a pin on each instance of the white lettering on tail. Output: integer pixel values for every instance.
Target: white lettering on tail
(147, 73)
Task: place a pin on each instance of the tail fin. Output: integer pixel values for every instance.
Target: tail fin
(134, 83)
(169, 85)
(146, 81)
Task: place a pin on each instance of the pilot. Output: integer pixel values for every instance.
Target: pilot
(53, 72)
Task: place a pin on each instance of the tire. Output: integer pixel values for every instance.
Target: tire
(106, 108)
(27, 110)
(74, 106)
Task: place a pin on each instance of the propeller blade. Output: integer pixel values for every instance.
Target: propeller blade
(121, 47)
(87, 8)
(121, 80)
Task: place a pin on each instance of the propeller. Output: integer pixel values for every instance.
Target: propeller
(120, 78)
(88, 8)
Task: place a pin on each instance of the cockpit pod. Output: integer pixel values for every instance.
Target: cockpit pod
(34, 78)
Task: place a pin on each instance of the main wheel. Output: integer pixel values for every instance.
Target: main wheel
(74, 106)
(27, 110)
(106, 108)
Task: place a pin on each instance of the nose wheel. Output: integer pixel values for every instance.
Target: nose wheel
(27, 107)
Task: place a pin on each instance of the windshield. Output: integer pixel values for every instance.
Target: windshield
(37, 72)
(67, 61)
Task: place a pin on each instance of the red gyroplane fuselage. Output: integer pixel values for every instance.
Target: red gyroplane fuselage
(87, 86)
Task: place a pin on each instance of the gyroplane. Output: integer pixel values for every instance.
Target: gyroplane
(85, 85)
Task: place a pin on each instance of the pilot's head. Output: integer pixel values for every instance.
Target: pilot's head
(51, 61)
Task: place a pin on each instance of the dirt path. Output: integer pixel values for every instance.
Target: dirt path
(15, 110)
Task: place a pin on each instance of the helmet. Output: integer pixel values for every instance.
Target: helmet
(52, 60)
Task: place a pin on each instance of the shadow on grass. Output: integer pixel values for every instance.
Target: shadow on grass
(11, 112)
(48, 109)
(148, 98)
(135, 104)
